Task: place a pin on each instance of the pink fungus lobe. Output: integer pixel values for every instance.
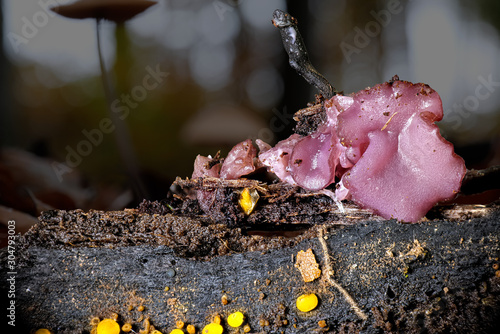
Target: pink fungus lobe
(381, 143)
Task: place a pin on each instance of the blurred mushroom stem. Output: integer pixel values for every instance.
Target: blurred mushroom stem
(121, 133)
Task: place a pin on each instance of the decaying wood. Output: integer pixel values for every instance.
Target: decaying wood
(279, 204)
(178, 262)
(308, 119)
(436, 276)
(212, 183)
(306, 207)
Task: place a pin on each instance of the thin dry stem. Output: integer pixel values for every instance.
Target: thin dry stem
(122, 136)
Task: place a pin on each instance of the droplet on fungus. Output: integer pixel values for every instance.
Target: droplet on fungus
(108, 326)
(177, 331)
(212, 328)
(235, 319)
(191, 329)
(248, 200)
(306, 303)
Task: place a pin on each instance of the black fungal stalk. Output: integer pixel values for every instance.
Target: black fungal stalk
(297, 52)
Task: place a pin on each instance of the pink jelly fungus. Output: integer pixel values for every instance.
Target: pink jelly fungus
(202, 168)
(239, 161)
(381, 144)
(385, 147)
(278, 157)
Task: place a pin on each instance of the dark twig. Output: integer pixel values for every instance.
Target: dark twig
(297, 52)
(477, 181)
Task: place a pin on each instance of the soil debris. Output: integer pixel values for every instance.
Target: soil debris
(188, 237)
(307, 265)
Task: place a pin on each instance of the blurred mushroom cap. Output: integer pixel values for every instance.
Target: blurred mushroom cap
(112, 10)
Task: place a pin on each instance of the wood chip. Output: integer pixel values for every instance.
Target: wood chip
(307, 265)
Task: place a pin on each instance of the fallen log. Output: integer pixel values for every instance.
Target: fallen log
(153, 270)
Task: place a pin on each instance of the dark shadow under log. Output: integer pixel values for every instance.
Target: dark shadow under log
(436, 276)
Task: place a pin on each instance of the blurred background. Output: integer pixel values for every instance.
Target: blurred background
(196, 76)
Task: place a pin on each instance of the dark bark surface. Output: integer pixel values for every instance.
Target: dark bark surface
(438, 276)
